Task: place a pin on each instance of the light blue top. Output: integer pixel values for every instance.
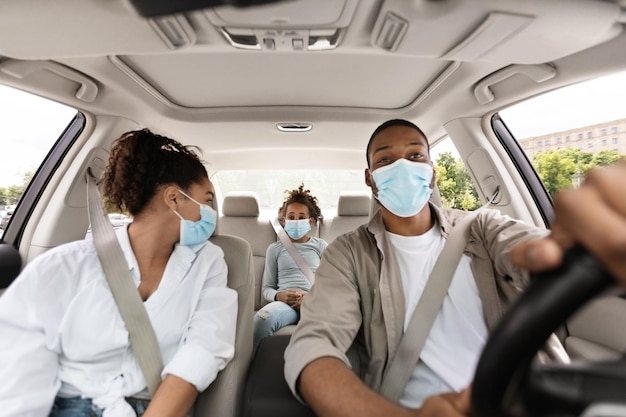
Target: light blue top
(281, 271)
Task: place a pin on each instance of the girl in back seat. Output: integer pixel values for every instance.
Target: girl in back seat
(284, 283)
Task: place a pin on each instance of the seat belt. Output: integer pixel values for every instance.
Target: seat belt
(141, 334)
(404, 362)
(291, 248)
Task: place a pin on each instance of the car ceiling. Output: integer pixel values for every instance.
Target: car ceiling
(421, 60)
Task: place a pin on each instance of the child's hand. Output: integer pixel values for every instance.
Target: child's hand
(289, 297)
(298, 303)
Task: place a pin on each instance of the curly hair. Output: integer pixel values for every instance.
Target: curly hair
(140, 162)
(300, 195)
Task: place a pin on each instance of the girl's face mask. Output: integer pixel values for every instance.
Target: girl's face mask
(191, 232)
(296, 229)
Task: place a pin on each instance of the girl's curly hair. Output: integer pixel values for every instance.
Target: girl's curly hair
(300, 195)
(140, 162)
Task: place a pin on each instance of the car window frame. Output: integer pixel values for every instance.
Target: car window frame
(526, 170)
(36, 187)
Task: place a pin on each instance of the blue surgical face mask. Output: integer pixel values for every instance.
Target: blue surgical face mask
(403, 186)
(296, 229)
(200, 231)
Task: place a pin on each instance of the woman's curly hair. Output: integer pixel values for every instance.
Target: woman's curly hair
(140, 162)
(300, 195)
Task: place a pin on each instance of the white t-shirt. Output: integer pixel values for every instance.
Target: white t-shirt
(61, 331)
(451, 352)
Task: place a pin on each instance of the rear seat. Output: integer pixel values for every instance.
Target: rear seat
(353, 210)
(241, 217)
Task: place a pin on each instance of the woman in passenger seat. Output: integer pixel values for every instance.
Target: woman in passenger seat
(65, 348)
(284, 283)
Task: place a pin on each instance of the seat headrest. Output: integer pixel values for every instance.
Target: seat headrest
(353, 203)
(241, 204)
(214, 205)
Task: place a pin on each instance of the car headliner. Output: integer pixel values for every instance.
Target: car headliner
(105, 59)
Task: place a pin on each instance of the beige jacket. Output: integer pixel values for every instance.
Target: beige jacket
(357, 297)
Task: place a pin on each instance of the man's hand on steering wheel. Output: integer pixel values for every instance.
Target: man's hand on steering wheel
(593, 216)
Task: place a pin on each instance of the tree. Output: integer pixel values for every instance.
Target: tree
(455, 184)
(3, 196)
(11, 195)
(564, 168)
(607, 157)
(14, 193)
(558, 168)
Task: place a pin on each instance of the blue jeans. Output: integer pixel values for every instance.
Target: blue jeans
(84, 407)
(272, 317)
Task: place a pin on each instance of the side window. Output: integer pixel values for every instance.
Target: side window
(590, 116)
(29, 127)
(453, 180)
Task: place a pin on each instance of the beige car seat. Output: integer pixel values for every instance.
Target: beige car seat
(352, 211)
(224, 396)
(241, 217)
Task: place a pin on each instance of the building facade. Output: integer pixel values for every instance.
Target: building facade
(593, 139)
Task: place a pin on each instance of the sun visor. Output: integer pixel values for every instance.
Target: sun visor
(510, 33)
(158, 8)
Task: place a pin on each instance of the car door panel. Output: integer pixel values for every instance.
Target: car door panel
(10, 264)
(597, 331)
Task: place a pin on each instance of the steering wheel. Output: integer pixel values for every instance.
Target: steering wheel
(506, 383)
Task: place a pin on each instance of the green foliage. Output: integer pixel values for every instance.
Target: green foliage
(604, 158)
(565, 168)
(455, 184)
(556, 169)
(11, 195)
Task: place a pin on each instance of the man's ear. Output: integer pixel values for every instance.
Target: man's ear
(434, 180)
(370, 183)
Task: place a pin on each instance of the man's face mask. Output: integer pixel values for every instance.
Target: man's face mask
(192, 232)
(404, 186)
(296, 229)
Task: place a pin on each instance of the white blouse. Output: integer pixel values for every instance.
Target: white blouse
(61, 332)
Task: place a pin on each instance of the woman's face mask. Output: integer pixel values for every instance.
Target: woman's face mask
(403, 186)
(191, 232)
(296, 229)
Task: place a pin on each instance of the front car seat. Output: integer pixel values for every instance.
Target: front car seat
(224, 396)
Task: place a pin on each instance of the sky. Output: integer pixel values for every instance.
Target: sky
(583, 104)
(29, 125)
